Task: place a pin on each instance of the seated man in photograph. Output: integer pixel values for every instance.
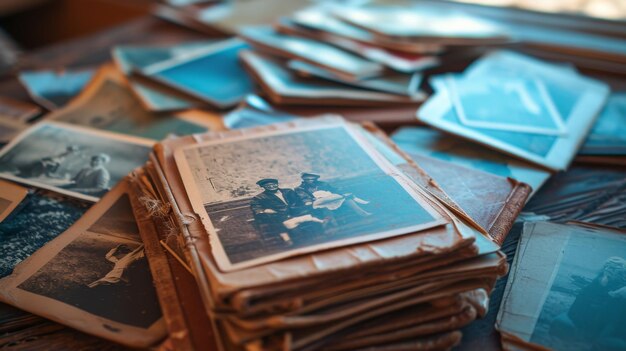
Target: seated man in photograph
(272, 207)
(93, 180)
(321, 197)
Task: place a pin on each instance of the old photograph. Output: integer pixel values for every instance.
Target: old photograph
(586, 305)
(277, 195)
(72, 160)
(558, 300)
(11, 195)
(107, 103)
(112, 295)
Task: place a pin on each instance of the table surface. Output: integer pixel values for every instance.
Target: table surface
(593, 193)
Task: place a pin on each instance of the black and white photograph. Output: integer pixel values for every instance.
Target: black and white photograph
(281, 194)
(113, 292)
(74, 161)
(569, 303)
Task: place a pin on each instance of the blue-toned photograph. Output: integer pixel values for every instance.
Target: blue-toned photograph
(279, 193)
(214, 75)
(586, 306)
(515, 104)
(608, 136)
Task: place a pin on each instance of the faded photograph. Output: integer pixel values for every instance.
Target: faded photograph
(116, 284)
(280, 193)
(71, 161)
(586, 306)
(109, 105)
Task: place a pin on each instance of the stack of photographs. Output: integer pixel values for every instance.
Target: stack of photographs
(538, 111)
(310, 234)
(341, 54)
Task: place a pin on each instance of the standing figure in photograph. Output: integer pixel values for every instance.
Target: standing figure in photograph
(95, 178)
(272, 207)
(321, 197)
(122, 257)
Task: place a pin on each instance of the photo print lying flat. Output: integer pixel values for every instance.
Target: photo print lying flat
(283, 193)
(94, 277)
(75, 161)
(566, 289)
(107, 103)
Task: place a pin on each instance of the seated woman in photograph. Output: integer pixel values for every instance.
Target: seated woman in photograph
(93, 179)
(322, 196)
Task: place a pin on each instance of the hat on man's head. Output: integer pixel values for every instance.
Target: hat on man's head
(266, 181)
(310, 175)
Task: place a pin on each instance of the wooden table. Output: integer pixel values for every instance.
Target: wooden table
(572, 195)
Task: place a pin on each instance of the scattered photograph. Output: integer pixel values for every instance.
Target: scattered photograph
(577, 99)
(107, 103)
(132, 58)
(608, 135)
(561, 302)
(112, 296)
(71, 160)
(11, 195)
(212, 74)
(526, 101)
(53, 89)
(586, 304)
(281, 194)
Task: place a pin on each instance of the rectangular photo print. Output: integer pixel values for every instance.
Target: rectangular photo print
(93, 277)
(278, 194)
(75, 161)
(558, 300)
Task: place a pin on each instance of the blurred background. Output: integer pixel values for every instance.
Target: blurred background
(30, 24)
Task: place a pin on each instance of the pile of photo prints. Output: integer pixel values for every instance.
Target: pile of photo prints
(240, 194)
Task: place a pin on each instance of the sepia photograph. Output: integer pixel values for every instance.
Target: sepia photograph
(71, 160)
(112, 294)
(281, 194)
